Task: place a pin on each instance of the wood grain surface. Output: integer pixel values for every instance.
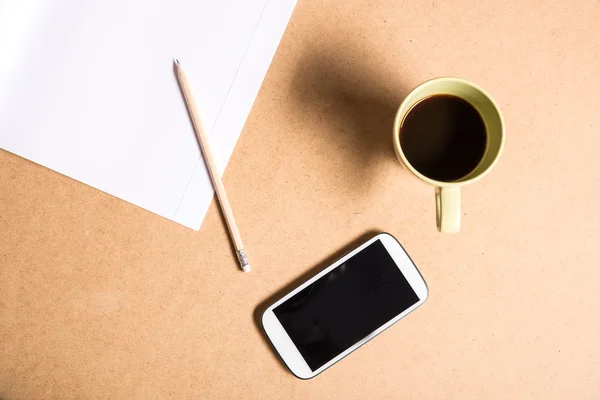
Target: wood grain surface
(103, 300)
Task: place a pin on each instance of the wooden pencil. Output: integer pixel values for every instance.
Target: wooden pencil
(212, 169)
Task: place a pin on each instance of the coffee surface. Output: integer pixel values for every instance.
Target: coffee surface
(443, 137)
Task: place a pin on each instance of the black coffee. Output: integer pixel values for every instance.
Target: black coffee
(443, 137)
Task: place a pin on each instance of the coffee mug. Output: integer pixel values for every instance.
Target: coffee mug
(447, 192)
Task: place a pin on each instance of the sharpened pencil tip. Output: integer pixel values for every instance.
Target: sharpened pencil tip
(176, 61)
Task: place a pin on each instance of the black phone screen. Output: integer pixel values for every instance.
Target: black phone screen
(346, 305)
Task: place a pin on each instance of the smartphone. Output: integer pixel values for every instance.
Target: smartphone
(344, 306)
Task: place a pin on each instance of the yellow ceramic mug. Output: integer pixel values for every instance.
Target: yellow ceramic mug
(447, 194)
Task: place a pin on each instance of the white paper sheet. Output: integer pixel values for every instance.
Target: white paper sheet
(87, 89)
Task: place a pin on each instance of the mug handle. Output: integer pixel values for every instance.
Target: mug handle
(447, 204)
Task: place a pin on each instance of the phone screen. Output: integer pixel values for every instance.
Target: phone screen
(346, 305)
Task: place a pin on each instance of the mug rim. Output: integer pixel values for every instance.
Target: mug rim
(398, 120)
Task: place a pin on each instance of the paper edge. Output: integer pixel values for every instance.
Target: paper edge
(193, 205)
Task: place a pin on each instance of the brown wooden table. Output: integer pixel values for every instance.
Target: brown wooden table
(100, 299)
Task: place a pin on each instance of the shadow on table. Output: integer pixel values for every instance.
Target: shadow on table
(262, 307)
(355, 98)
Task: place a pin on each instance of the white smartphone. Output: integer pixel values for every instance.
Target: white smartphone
(344, 306)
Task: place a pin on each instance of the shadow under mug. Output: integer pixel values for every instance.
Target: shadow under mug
(447, 194)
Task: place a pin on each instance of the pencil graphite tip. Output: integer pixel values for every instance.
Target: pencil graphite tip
(176, 61)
